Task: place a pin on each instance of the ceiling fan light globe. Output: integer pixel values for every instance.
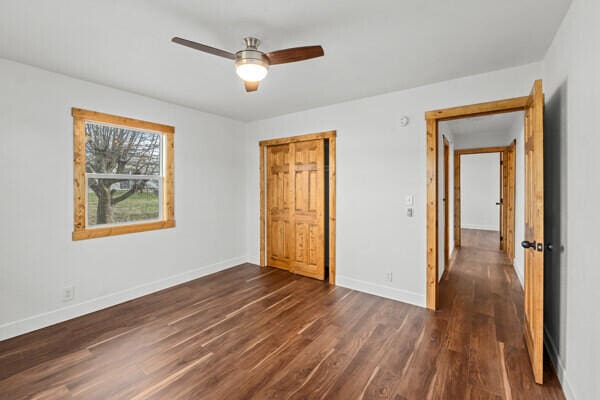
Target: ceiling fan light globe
(251, 72)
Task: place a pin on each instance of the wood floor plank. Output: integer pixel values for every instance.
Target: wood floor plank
(263, 333)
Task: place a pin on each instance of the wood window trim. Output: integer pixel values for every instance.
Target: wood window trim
(432, 119)
(331, 136)
(80, 230)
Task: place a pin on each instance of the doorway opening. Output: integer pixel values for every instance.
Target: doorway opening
(489, 174)
(531, 218)
(298, 204)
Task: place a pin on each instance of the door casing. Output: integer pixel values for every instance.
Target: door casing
(446, 206)
(433, 118)
(533, 106)
(327, 135)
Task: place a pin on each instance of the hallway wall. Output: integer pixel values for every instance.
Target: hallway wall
(572, 88)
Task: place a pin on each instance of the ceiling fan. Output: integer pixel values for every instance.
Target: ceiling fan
(252, 64)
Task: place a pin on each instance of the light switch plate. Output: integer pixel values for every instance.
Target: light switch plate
(410, 200)
(409, 211)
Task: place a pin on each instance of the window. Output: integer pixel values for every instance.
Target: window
(123, 175)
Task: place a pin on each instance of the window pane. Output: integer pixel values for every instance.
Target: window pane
(114, 201)
(119, 150)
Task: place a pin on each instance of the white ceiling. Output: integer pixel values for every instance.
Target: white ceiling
(371, 47)
(497, 124)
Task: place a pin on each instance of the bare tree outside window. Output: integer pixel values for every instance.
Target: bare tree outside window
(123, 170)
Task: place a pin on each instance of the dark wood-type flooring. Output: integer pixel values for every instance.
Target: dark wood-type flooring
(248, 333)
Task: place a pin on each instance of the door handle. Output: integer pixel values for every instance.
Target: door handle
(528, 245)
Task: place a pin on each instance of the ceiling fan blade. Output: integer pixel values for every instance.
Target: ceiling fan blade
(251, 86)
(203, 47)
(294, 54)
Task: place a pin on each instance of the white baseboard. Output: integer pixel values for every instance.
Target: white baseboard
(561, 372)
(479, 227)
(15, 328)
(388, 292)
(519, 275)
(254, 259)
(371, 288)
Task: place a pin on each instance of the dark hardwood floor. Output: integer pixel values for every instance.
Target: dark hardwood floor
(248, 333)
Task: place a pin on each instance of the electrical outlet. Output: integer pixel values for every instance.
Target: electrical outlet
(388, 276)
(68, 293)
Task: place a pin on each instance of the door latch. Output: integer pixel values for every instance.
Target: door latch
(540, 247)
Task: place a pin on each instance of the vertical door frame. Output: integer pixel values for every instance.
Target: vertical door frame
(432, 122)
(501, 193)
(510, 200)
(446, 203)
(263, 144)
(457, 205)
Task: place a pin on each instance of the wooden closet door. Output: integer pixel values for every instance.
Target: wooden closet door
(279, 207)
(308, 217)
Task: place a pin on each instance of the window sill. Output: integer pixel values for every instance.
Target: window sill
(122, 229)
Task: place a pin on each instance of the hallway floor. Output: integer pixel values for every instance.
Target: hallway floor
(482, 298)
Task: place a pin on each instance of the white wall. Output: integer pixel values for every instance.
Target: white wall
(379, 163)
(451, 195)
(480, 190)
(572, 87)
(517, 133)
(37, 256)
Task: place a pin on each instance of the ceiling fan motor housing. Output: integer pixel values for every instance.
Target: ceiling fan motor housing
(251, 57)
(251, 54)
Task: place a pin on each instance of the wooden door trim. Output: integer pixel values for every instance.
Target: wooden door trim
(263, 206)
(299, 138)
(481, 150)
(432, 122)
(332, 207)
(446, 203)
(479, 109)
(502, 193)
(457, 199)
(432, 214)
(263, 144)
(511, 201)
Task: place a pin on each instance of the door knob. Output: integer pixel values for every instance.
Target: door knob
(528, 245)
(549, 247)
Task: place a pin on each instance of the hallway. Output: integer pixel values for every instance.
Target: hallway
(483, 300)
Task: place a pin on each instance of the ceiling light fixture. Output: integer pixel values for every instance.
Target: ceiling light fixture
(250, 64)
